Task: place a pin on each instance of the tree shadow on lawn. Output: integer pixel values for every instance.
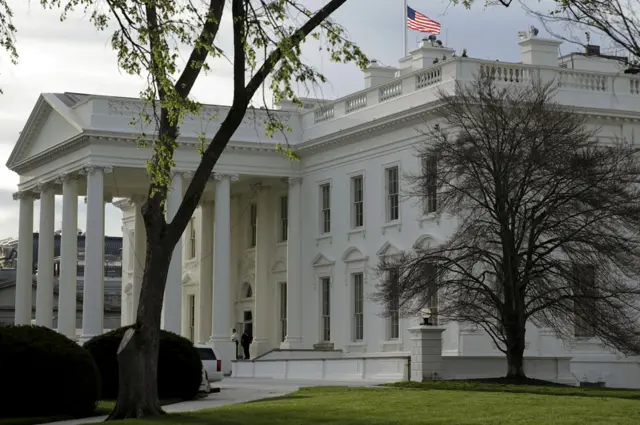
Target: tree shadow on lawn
(279, 398)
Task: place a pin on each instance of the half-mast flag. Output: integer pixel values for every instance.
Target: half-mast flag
(418, 22)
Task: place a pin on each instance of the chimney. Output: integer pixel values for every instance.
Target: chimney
(592, 50)
(540, 51)
(376, 74)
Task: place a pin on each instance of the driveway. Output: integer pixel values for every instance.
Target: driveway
(236, 390)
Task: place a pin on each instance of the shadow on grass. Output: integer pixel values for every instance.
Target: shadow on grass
(279, 398)
(550, 390)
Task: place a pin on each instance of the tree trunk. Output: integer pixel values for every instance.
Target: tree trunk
(515, 352)
(138, 351)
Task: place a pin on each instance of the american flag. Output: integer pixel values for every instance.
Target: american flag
(418, 22)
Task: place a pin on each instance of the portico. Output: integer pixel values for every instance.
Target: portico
(81, 146)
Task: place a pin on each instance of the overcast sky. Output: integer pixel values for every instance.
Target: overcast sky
(73, 57)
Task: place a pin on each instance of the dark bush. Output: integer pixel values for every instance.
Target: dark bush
(44, 373)
(179, 365)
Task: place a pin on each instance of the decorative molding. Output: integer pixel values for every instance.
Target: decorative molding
(137, 199)
(222, 176)
(353, 254)
(389, 249)
(90, 168)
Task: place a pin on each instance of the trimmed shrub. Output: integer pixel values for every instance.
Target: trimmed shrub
(179, 365)
(44, 373)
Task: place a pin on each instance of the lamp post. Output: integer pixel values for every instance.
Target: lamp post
(426, 315)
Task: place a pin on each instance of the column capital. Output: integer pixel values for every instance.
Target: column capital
(87, 169)
(65, 177)
(138, 199)
(222, 176)
(293, 181)
(25, 194)
(182, 173)
(43, 186)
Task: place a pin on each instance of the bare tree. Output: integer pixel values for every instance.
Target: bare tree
(616, 19)
(148, 36)
(546, 222)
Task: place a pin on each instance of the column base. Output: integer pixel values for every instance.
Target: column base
(258, 347)
(85, 337)
(291, 343)
(227, 350)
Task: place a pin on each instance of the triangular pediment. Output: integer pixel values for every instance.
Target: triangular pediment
(50, 124)
(388, 249)
(322, 260)
(352, 254)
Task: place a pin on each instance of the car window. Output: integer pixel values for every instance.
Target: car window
(206, 354)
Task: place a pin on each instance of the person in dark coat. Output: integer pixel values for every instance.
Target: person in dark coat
(245, 341)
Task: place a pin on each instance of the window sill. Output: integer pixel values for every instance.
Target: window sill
(356, 347)
(395, 224)
(427, 218)
(354, 232)
(392, 345)
(250, 249)
(325, 237)
(281, 243)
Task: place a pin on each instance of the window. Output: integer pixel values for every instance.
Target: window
(584, 305)
(393, 194)
(283, 233)
(253, 217)
(357, 197)
(325, 284)
(325, 208)
(430, 171)
(358, 306)
(206, 353)
(394, 308)
(283, 311)
(192, 238)
(191, 299)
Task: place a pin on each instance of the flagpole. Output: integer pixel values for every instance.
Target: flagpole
(404, 29)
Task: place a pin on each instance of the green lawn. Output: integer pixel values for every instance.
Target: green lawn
(408, 406)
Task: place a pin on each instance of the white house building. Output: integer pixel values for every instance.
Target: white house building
(287, 249)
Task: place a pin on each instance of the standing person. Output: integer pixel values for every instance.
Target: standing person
(234, 338)
(245, 341)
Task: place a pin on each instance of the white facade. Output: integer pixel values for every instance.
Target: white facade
(233, 259)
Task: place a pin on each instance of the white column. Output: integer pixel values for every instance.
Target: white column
(262, 320)
(205, 259)
(68, 258)
(294, 266)
(172, 312)
(24, 278)
(93, 290)
(221, 328)
(139, 255)
(44, 290)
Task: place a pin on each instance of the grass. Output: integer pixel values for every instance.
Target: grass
(444, 403)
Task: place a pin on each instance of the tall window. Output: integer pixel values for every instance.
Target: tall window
(283, 233)
(192, 317)
(584, 286)
(357, 199)
(430, 170)
(283, 311)
(253, 217)
(393, 194)
(325, 283)
(325, 208)
(358, 306)
(192, 238)
(394, 308)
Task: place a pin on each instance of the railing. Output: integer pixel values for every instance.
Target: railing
(462, 69)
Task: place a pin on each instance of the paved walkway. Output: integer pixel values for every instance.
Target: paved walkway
(233, 391)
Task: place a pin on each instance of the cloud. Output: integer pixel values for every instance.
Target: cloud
(72, 56)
